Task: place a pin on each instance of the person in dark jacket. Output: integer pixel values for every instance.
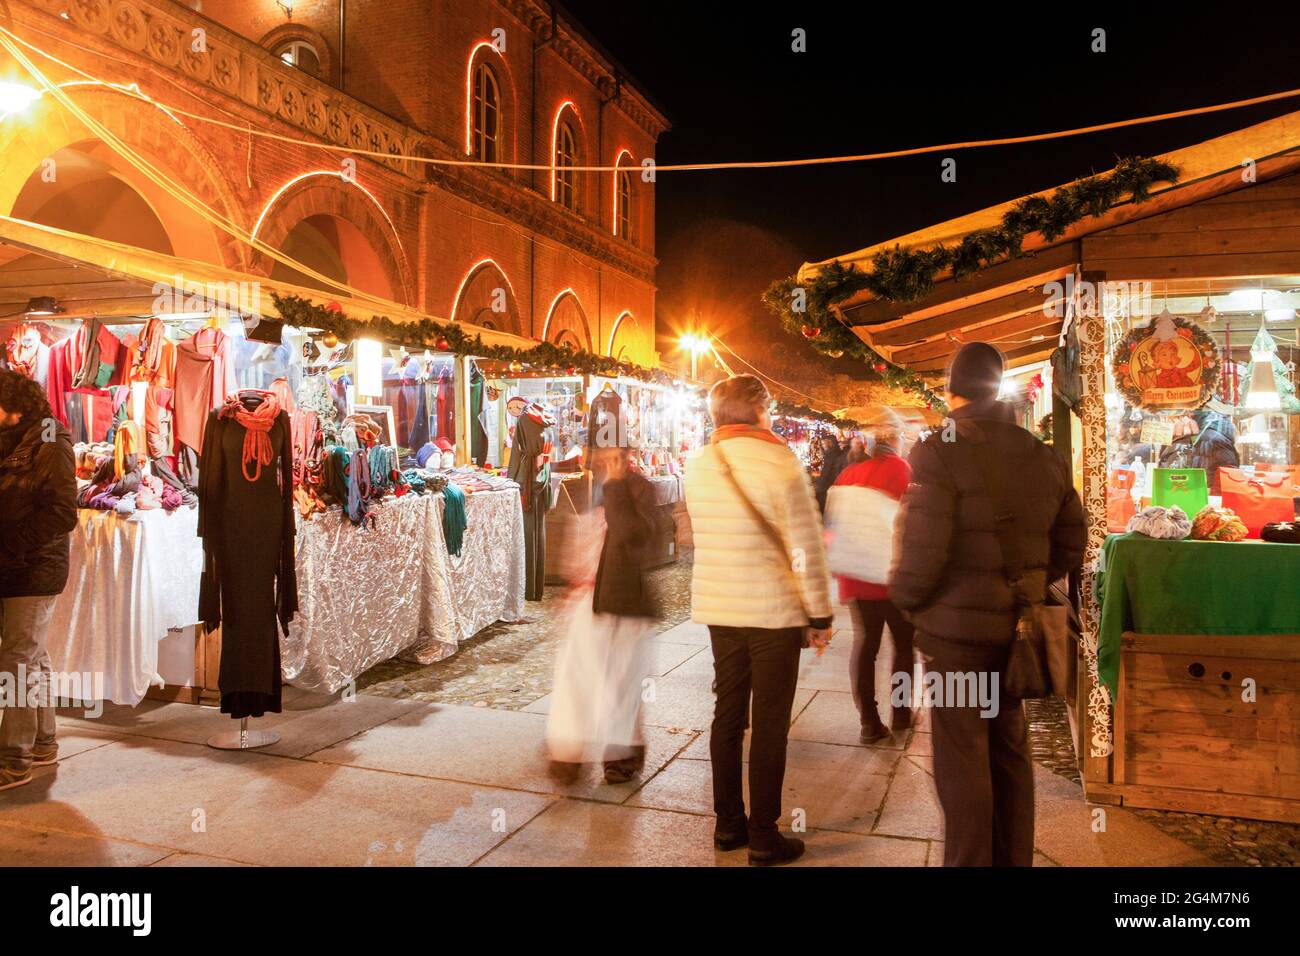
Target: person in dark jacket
(948, 577)
(38, 489)
(833, 460)
(1209, 442)
(596, 704)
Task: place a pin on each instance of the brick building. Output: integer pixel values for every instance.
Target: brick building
(552, 253)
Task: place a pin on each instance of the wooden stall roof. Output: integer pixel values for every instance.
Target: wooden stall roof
(93, 276)
(1006, 303)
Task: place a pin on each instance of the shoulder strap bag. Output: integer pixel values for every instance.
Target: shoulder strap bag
(1039, 626)
(724, 466)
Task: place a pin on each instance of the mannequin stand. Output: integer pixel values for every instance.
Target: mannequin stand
(243, 738)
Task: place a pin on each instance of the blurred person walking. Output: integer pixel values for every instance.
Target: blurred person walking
(833, 460)
(601, 667)
(860, 511)
(760, 583)
(38, 489)
(950, 577)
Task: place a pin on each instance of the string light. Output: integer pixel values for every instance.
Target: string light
(697, 167)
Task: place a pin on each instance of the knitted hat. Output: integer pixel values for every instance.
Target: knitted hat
(976, 372)
(426, 452)
(443, 444)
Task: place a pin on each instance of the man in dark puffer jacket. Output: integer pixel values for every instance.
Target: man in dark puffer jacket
(38, 492)
(948, 578)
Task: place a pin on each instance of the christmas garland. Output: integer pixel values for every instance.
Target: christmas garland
(905, 275)
(451, 337)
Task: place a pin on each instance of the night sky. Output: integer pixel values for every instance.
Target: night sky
(727, 79)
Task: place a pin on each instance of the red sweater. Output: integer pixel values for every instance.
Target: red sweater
(887, 472)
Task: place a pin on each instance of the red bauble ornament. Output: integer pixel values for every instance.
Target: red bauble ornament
(880, 368)
(334, 307)
(443, 345)
(810, 331)
(570, 370)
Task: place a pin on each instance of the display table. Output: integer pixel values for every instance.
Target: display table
(129, 581)
(1193, 587)
(1199, 644)
(368, 593)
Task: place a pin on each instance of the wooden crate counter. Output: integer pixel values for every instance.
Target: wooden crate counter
(1199, 647)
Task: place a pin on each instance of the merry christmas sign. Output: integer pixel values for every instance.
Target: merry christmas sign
(1169, 363)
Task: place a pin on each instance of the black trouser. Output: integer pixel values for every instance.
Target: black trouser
(982, 767)
(869, 625)
(766, 662)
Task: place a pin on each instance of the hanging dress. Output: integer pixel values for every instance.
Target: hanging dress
(205, 375)
(249, 583)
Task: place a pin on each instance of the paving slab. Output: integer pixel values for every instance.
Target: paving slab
(1065, 830)
(818, 796)
(40, 846)
(577, 833)
(911, 807)
(687, 632)
(309, 722)
(832, 718)
(194, 860)
(257, 808)
(498, 748)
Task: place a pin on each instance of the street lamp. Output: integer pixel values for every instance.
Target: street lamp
(16, 97)
(695, 344)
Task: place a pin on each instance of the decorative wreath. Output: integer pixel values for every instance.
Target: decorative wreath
(1189, 330)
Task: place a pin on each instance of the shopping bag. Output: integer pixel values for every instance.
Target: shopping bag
(1120, 506)
(1258, 499)
(1184, 487)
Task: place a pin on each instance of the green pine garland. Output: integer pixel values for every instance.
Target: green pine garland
(425, 333)
(905, 275)
(451, 337)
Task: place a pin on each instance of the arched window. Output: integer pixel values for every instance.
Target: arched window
(485, 107)
(624, 217)
(300, 54)
(566, 157)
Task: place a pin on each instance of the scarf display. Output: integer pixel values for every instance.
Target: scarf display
(257, 424)
(454, 521)
(1157, 522)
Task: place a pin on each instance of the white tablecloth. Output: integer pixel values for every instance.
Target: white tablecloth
(129, 580)
(368, 594)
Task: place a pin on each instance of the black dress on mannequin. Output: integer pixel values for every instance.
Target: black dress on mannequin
(249, 583)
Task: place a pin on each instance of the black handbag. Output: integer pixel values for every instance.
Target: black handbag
(1026, 674)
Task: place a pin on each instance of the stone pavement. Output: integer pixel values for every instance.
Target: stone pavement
(379, 781)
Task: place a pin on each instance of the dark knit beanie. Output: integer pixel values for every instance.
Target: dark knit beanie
(976, 372)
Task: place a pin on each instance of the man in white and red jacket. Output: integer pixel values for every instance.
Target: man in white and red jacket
(860, 512)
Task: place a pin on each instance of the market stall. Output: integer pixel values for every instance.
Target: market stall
(374, 436)
(1164, 297)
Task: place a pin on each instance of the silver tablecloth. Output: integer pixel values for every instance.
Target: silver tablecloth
(130, 579)
(366, 594)
(485, 583)
(668, 489)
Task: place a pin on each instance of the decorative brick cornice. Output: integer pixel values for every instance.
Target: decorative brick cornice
(590, 64)
(235, 68)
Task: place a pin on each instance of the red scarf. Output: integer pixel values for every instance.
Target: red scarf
(257, 423)
(723, 432)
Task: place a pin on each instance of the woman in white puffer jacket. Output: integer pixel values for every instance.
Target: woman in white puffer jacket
(760, 581)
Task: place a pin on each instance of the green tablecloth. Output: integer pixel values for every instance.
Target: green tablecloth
(1193, 587)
